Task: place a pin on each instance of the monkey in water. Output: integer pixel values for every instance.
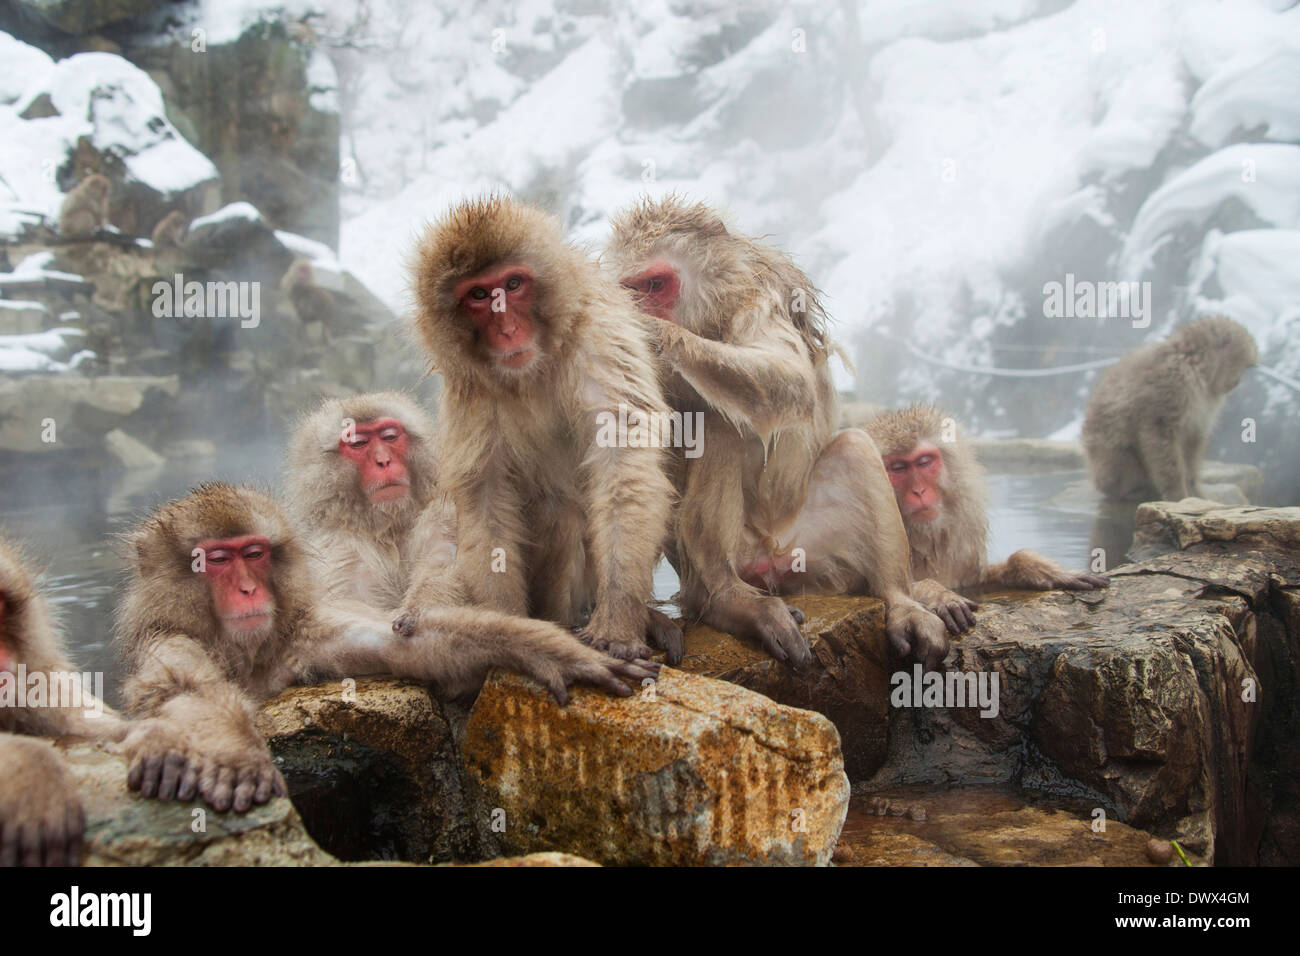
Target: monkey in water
(85, 209)
(1151, 415)
(362, 487)
(539, 353)
(778, 502)
(941, 495)
(222, 610)
(41, 817)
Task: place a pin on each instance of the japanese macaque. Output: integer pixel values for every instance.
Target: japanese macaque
(304, 285)
(222, 610)
(85, 208)
(362, 490)
(777, 503)
(540, 355)
(941, 494)
(169, 235)
(1151, 414)
(41, 818)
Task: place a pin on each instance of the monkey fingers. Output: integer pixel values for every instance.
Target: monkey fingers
(956, 612)
(1084, 582)
(797, 614)
(665, 633)
(777, 628)
(624, 650)
(918, 635)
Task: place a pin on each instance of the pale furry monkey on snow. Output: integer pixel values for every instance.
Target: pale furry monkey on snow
(1150, 416)
(778, 503)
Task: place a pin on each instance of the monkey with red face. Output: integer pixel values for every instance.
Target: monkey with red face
(778, 502)
(942, 496)
(536, 349)
(222, 610)
(362, 486)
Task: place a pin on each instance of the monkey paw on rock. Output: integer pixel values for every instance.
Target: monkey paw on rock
(916, 634)
(41, 819)
(580, 664)
(625, 636)
(163, 764)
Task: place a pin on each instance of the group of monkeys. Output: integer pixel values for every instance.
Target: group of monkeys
(517, 538)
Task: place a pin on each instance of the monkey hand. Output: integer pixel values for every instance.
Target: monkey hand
(915, 634)
(1029, 569)
(955, 611)
(620, 625)
(41, 819)
(572, 662)
(1081, 581)
(163, 763)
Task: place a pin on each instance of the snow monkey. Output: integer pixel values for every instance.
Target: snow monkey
(85, 209)
(168, 236)
(222, 610)
(777, 503)
(941, 494)
(539, 353)
(1151, 415)
(41, 818)
(362, 490)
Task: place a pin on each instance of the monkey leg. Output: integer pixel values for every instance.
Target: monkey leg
(559, 589)
(1035, 572)
(1163, 460)
(852, 539)
(41, 819)
(711, 532)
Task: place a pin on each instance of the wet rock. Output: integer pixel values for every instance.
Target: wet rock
(130, 452)
(848, 679)
(124, 829)
(1148, 697)
(689, 771)
(372, 766)
(1165, 526)
(1029, 454)
(985, 826)
(82, 16)
(81, 409)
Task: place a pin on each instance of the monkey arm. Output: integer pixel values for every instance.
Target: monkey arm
(197, 737)
(1163, 460)
(1035, 572)
(41, 819)
(455, 647)
(764, 385)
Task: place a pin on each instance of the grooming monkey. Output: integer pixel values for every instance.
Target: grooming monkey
(221, 611)
(41, 818)
(1151, 415)
(536, 349)
(777, 503)
(942, 495)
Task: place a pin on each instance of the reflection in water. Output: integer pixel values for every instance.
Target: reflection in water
(68, 522)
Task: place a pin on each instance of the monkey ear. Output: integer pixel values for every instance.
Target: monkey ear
(716, 228)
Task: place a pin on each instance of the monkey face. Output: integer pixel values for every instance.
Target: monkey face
(915, 476)
(499, 302)
(238, 572)
(656, 289)
(378, 449)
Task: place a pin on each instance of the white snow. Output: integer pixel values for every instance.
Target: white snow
(1249, 92)
(1263, 176)
(318, 252)
(20, 66)
(234, 210)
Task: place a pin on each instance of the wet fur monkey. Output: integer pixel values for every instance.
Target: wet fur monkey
(41, 818)
(222, 610)
(537, 349)
(942, 497)
(1151, 415)
(777, 503)
(362, 488)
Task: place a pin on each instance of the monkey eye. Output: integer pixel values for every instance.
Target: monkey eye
(654, 285)
(478, 292)
(514, 282)
(218, 557)
(359, 443)
(253, 552)
(389, 434)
